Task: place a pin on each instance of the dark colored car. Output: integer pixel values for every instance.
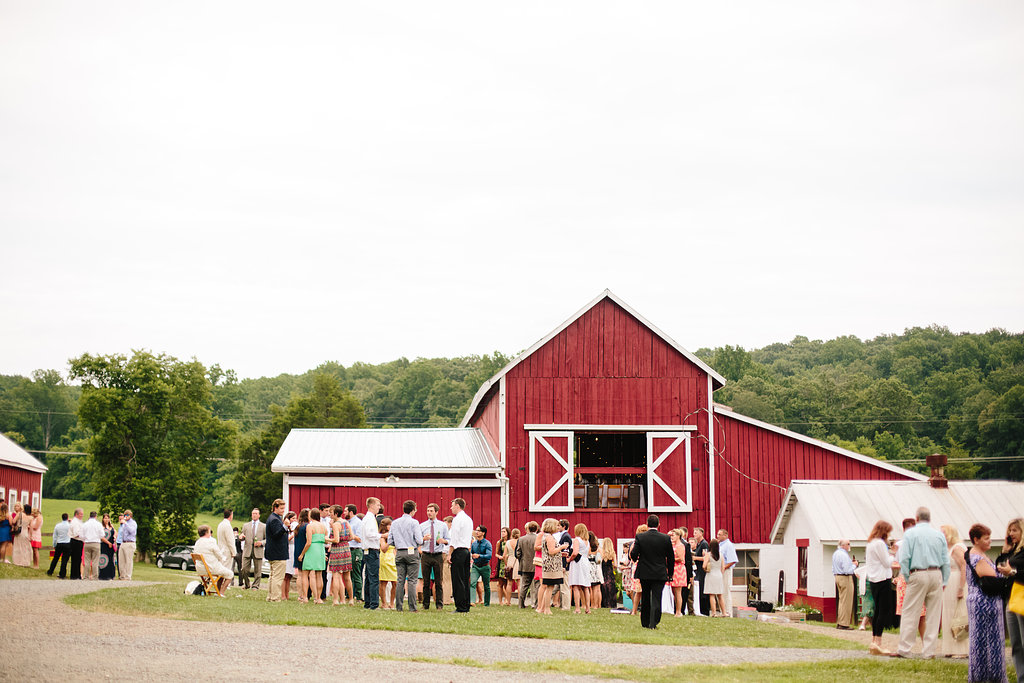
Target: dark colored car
(179, 556)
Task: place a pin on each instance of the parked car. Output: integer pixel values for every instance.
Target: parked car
(179, 556)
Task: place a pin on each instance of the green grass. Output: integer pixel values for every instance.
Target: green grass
(53, 507)
(167, 601)
(13, 571)
(880, 669)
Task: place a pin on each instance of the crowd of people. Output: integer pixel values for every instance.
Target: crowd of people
(93, 547)
(929, 581)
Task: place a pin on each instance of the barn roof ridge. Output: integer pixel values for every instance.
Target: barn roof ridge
(726, 410)
(13, 454)
(606, 294)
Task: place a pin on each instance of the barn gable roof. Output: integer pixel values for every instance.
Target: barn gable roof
(725, 410)
(849, 509)
(15, 456)
(462, 451)
(606, 294)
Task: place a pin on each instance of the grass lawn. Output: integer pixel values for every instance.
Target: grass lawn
(53, 507)
(167, 601)
(881, 669)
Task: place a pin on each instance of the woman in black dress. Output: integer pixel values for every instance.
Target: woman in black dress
(107, 550)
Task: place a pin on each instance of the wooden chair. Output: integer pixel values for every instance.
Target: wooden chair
(593, 496)
(210, 583)
(615, 495)
(577, 496)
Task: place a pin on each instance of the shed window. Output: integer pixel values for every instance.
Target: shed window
(801, 568)
(745, 567)
(610, 470)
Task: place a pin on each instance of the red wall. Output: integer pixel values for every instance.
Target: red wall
(604, 368)
(490, 419)
(23, 480)
(747, 508)
(482, 503)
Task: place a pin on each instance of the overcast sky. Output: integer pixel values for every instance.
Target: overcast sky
(269, 186)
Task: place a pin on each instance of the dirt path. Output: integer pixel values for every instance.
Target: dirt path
(68, 644)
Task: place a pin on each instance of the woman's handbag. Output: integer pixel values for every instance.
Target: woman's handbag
(16, 528)
(1016, 602)
(959, 623)
(992, 586)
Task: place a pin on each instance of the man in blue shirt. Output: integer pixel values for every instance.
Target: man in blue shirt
(729, 559)
(435, 540)
(126, 551)
(843, 568)
(480, 551)
(61, 546)
(924, 563)
(406, 538)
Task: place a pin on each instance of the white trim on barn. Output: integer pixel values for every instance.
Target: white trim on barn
(538, 504)
(612, 428)
(606, 294)
(678, 439)
(875, 462)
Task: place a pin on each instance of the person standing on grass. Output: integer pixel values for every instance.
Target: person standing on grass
(406, 538)
(61, 546)
(481, 551)
(699, 553)
(462, 539)
(843, 569)
(524, 555)
(729, 560)
(579, 568)
(129, 533)
(924, 563)
(655, 561)
(564, 538)
(371, 555)
(77, 547)
(435, 540)
(226, 537)
(340, 560)
(276, 550)
(356, 546)
(92, 533)
(254, 534)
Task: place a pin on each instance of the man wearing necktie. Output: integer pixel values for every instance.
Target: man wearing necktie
(435, 541)
(254, 534)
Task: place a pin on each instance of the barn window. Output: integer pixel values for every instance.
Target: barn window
(611, 470)
(746, 566)
(801, 567)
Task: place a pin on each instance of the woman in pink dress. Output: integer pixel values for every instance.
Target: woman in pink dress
(679, 576)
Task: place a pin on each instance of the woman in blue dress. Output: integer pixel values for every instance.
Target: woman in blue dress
(986, 661)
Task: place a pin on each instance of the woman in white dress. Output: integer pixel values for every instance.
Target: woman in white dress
(954, 595)
(713, 580)
(291, 525)
(579, 568)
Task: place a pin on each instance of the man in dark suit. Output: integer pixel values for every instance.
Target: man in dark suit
(655, 560)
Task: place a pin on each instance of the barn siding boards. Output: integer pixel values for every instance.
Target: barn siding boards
(482, 504)
(15, 478)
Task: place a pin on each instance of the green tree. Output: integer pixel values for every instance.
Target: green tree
(153, 432)
(328, 405)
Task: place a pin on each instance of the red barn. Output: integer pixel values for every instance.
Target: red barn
(21, 475)
(603, 421)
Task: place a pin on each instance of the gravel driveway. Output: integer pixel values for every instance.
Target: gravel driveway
(58, 642)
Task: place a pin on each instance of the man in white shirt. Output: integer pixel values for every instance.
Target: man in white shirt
(226, 538)
(76, 544)
(461, 540)
(371, 555)
(92, 534)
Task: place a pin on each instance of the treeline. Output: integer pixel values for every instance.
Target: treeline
(894, 397)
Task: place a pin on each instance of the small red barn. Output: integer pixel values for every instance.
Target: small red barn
(21, 475)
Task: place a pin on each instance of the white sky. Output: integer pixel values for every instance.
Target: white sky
(268, 186)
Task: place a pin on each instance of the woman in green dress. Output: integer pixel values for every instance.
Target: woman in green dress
(313, 557)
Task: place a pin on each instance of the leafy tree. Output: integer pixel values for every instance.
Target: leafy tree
(328, 405)
(153, 431)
